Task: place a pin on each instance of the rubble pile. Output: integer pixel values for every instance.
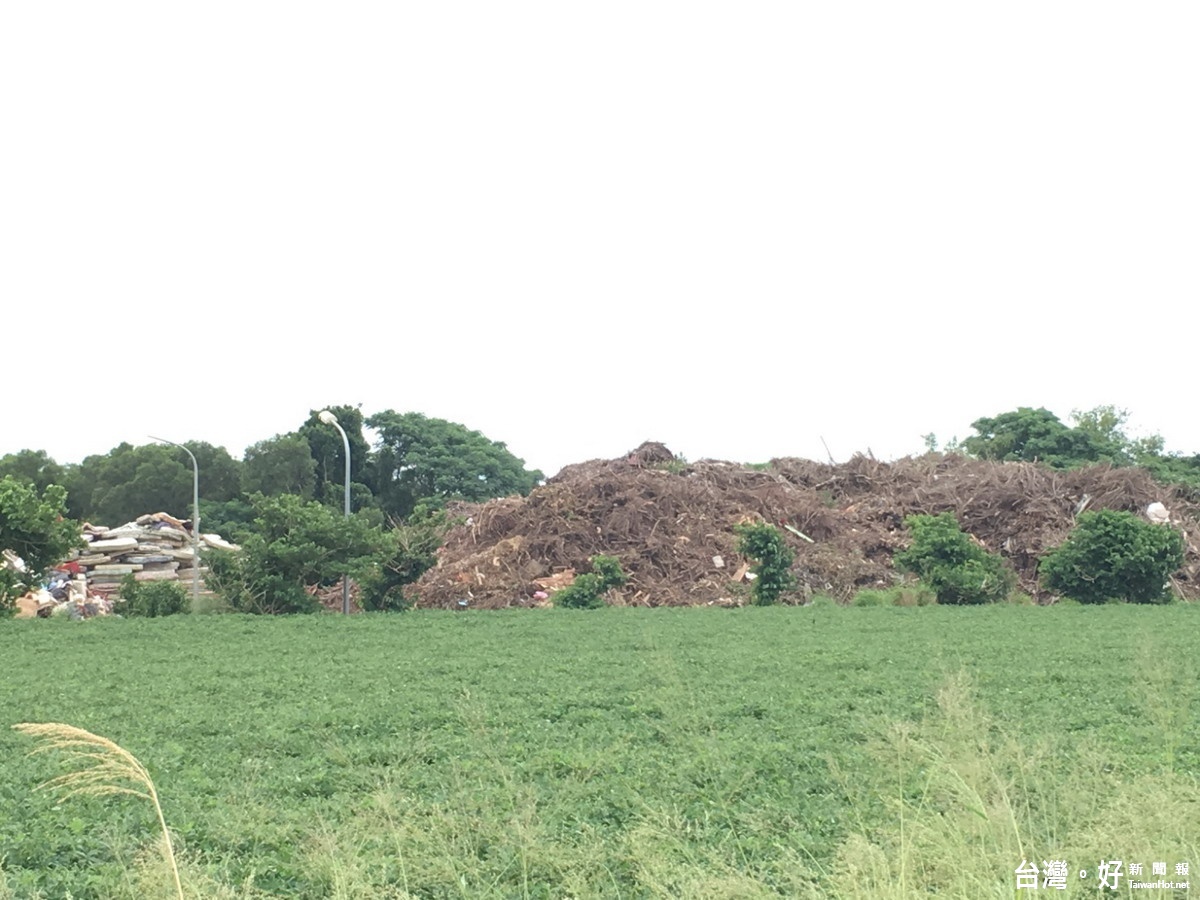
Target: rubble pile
(155, 547)
(671, 524)
(152, 548)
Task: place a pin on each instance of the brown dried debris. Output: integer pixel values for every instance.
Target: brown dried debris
(666, 523)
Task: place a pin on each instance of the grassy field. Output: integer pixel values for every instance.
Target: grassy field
(763, 752)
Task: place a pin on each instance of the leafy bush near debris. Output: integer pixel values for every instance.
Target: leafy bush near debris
(949, 561)
(1114, 555)
(35, 530)
(294, 543)
(773, 567)
(152, 599)
(412, 548)
(587, 590)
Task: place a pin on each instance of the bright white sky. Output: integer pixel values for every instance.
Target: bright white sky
(735, 228)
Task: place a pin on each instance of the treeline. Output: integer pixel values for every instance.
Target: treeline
(283, 500)
(1094, 436)
(416, 461)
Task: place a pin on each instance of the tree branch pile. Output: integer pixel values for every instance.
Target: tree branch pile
(671, 524)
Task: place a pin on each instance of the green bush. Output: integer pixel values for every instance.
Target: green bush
(294, 543)
(773, 567)
(152, 599)
(1113, 555)
(587, 590)
(412, 549)
(32, 525)
(954, 566)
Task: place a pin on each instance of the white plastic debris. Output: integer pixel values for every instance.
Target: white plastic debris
(10, 560)
(719, 561)
(1157, 513)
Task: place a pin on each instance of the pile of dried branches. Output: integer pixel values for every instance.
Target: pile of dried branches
(671, 524)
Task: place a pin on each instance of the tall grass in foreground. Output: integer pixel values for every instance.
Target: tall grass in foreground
(969, 802)
(950, 808)
(101, 768)
(964, 802)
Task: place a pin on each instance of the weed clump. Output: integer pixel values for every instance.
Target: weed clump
(152, 599)
(915, 594)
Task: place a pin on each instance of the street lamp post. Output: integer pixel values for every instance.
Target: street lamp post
(330, 419)
(195, 518)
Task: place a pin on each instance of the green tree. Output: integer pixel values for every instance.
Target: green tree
(329, 454)
(1114, 555)
(294, 543)
(229, 519)
(1175, 469)
(130, 481)
(33, 467)
(34, 527)
(424, 460)
(1106, 424)
(283, 464)
(950, 562)
(220, 473)
(1037, 435)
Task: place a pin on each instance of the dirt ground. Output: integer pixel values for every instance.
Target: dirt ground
(671, 524)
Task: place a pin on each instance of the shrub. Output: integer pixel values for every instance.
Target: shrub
(32, 525)
(1113, 555)
(587, 590)
(293, 543)
(412, 549)
(954, 566)
(773, 567)
(152, 599)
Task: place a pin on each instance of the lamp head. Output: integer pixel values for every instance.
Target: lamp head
(327, 417)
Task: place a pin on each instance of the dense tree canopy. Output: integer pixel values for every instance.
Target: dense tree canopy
(419, 459)
(283, 464)
(33, 467)
(128, 481)
(1096, 435)
(329, 453)
(416, 460)
(1037, 435)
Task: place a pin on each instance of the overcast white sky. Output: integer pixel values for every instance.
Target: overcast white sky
(735, 228)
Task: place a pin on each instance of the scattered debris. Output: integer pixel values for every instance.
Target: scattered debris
(330, 596)
(1157, 513)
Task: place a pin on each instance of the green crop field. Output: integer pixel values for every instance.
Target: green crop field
(761, 752)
